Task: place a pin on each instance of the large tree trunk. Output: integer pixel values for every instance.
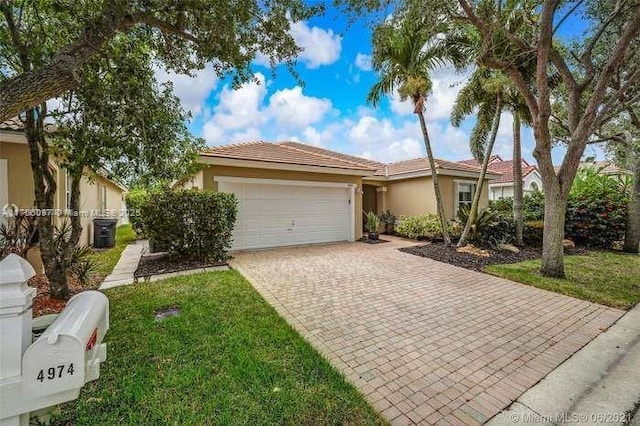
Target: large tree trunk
(555, 207)
(45, 187)
(473, 213)
(434, 175)
(632, 235)
(518, 201)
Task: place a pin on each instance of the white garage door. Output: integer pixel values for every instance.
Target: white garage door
(274, 214)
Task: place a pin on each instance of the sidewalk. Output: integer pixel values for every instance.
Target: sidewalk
(600, 384)
(123, 272)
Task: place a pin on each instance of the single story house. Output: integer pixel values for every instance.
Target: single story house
(99, 195)
(502, 187)
(291, 193)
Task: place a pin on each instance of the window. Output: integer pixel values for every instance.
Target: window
(533, 186)
(464, 194)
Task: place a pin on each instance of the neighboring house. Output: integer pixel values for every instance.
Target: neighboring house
(502, 187)
(98, 195)
(291, 193)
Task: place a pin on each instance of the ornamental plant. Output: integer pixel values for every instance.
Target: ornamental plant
(421, 226)
(190, 224)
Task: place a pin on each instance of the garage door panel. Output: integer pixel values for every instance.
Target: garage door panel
(272, 215)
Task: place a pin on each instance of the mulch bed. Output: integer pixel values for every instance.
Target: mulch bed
(160, 263)
(368, 241)
(438, 251)
(42, 303)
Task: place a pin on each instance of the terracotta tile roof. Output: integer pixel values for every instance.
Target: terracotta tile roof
(505, 168)
(422, 164)
(16, 125)
(284, 153)
(317, 150)
(13, 124)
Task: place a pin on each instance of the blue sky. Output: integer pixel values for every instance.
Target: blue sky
(330, 110)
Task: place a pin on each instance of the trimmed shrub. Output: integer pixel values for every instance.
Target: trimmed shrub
(597, 209)
(421, 226)
(596, 222)
(190, 224)
(532, 206)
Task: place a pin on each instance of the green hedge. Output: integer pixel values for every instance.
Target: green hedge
(190, 224)
(422, 226)
(135, 199)
(596, 222)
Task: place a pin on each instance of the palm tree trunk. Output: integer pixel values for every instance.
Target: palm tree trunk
(434, 178)
(483, 171)
(517, 181)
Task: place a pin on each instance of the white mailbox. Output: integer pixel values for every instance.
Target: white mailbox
(66, 356)
(69, 352)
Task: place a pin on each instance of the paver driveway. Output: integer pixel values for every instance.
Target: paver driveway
(426, 342)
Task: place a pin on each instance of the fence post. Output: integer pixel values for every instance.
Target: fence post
(16, 299)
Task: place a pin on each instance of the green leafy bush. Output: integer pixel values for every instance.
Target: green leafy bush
(372, 222)
(490, 228)
(421, 226)
(597, 209)
(190, 224)
(532, 206)
(596, 222)
(532, 233)
(135, 199)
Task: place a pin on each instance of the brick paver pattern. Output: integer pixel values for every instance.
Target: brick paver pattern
(426, 342)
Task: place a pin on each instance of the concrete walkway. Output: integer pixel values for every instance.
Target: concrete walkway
(122, 273)
(425, 342)
(600, 384)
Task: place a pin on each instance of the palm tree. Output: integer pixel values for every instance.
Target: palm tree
(490, 91)
(404, 54)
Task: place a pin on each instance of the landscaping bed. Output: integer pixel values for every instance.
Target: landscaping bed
(225, 357)
(438, 251)
(160, 263)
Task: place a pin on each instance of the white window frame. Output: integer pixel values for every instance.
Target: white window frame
(456, 194)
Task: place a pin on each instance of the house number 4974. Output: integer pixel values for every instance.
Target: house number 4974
(53, 373)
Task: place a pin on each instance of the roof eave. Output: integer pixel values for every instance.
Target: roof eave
(273, 165)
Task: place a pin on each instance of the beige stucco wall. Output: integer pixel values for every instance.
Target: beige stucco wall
(210, 172)
(21, 189)
(415, 196)
(91, 187)
(20, 186)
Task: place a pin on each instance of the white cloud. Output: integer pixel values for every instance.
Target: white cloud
(192, 91)
(248, 113)
(291, 108)
(319, 46)
(446, 83)
(363, 62)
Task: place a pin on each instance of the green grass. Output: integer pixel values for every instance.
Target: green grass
(605, 277)
(105, 260)
(227, 359)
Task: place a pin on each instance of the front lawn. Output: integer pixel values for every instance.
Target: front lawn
(605, 277)
(106, 259)
(228, 358)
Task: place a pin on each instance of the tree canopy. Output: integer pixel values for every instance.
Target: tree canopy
(184, 35)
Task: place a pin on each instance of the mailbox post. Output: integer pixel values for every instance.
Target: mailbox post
(66, 356)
